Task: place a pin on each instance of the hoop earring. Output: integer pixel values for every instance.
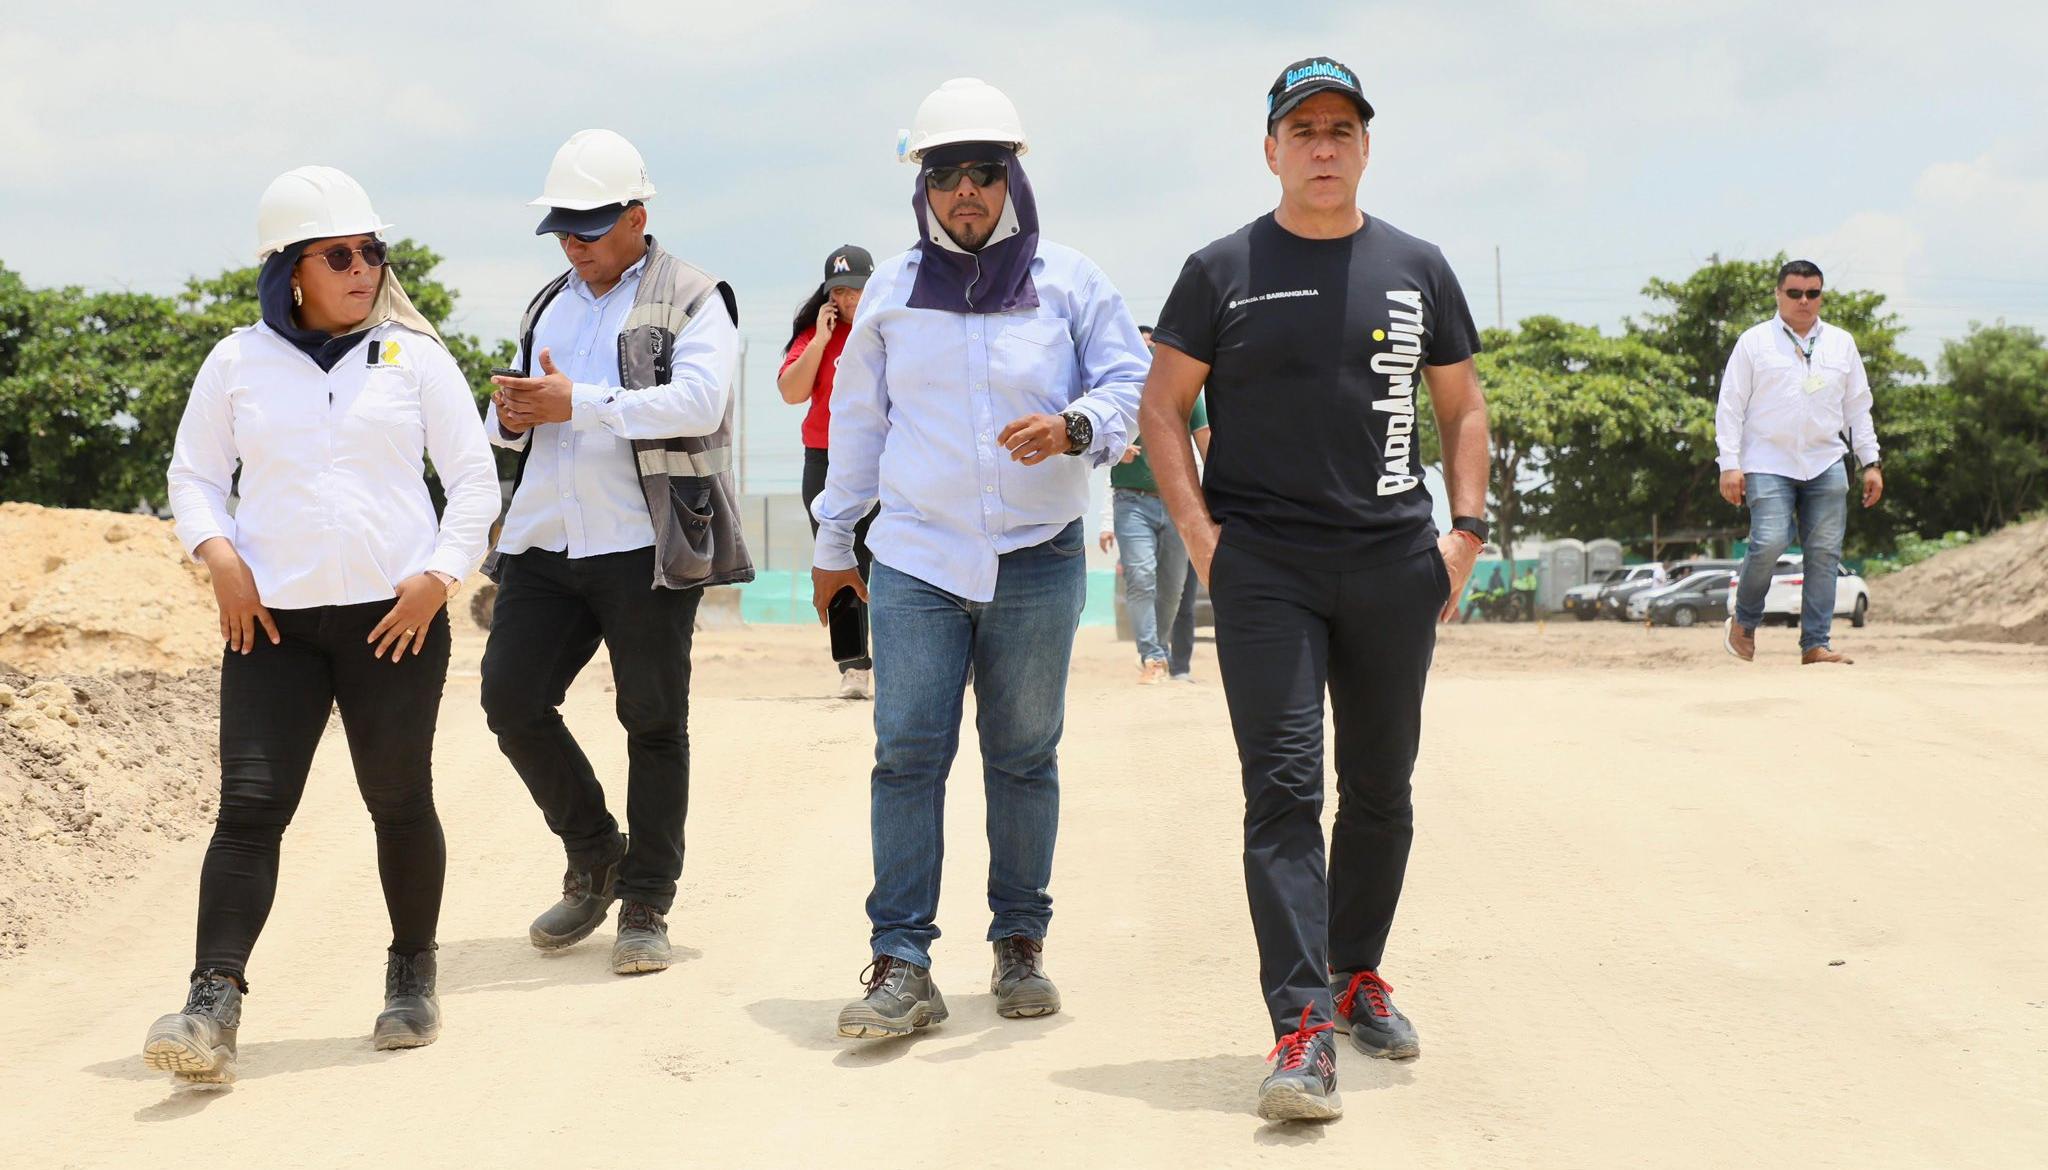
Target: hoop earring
(298, 295)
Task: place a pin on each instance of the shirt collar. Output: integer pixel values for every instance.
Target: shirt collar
(632, 273)
(1807, 336)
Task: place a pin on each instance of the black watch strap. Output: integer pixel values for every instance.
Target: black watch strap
(1471, 524)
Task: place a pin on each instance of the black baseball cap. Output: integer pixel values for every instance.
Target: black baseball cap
(849, 266)
(594, 222)
(1308, 77)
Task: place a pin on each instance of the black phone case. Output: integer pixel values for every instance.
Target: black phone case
(847, 618)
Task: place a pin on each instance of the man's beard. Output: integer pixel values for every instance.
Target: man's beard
(973, 235)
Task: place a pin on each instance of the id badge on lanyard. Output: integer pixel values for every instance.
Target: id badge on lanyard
(1813, 381)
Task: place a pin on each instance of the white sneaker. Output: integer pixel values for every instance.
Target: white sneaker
(856, 684)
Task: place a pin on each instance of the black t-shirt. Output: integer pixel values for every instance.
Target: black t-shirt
(1316, 349)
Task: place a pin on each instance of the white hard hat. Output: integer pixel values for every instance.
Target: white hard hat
(312, 203)
(965, 109)
(595, 168)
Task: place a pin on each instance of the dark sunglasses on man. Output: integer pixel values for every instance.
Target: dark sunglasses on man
(982, 174)
(341, 257)
(581, 237)
(1811, 294)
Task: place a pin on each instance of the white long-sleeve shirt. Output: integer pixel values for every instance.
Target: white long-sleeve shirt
(1783, 413)
(580, 492)
(333, 505)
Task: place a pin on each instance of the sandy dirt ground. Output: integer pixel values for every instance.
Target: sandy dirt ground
(1664, 909)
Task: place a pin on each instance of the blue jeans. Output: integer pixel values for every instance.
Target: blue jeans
(1019, 646)
(1155, 567)
(1820, 508)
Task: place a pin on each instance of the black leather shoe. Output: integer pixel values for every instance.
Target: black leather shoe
(900, 999)
(586, 896)
(412, 1013)
(198, 1043)
(643, 940)
(1019, 982)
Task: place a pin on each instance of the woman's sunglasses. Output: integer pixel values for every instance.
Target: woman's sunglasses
(341, 257)
(981, 174)
(1811, 294)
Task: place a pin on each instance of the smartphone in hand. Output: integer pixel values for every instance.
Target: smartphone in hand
(847, 617)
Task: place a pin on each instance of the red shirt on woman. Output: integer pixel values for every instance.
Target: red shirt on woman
(818, 420)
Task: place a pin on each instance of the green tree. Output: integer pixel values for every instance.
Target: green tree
(1574, 416)
(1970, 452)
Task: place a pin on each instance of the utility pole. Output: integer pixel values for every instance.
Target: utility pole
(1500, 314)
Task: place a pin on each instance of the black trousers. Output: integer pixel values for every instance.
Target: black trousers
(1284, 634)
(274, 703)
(551, 613)
(815, 464)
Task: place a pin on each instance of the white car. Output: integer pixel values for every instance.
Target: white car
(1788, 583)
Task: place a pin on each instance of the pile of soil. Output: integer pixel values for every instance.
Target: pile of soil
(1994, 589)
(85, 592)
(97, 772)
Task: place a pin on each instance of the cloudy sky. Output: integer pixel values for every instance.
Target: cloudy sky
(1595, 142)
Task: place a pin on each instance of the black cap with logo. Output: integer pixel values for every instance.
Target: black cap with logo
(1306, 78)
(849, 266)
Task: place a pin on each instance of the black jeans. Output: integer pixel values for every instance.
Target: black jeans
(274, 703)
(551, 612)
(1283, 633)
(815, 463)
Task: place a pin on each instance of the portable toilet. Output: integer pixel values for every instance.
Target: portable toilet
(1563, 565)
(1602, 556)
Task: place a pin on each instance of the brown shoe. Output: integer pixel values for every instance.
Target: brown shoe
(1739, 642)
(1152, 673)
(1823, 654)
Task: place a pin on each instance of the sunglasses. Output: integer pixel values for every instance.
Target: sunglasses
(980, 174)
(1811, 294)
(581, 237)
(341, 257)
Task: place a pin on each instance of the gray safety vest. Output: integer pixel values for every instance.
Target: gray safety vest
(688, 481)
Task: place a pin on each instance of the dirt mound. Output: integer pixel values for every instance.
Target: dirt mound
(84, 592)
(96, 772)
(1994, 589)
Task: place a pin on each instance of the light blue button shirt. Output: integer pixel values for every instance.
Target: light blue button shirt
(921, 396)
(581, 493)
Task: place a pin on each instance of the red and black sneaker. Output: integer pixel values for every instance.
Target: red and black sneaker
(1366, 1012)
(1303, 1085)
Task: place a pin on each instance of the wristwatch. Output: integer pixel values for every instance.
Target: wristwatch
(452, 584)
(1080, 431)
(1471, 524)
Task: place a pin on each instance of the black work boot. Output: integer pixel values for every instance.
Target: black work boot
(1365, 1009)
(643, 940)
(900, 999)
(412, 1014)
(1303, 1085)
(198, 1044)
(1019, 982)
(586, 895)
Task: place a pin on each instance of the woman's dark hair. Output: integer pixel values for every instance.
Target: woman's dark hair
(807, 316)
